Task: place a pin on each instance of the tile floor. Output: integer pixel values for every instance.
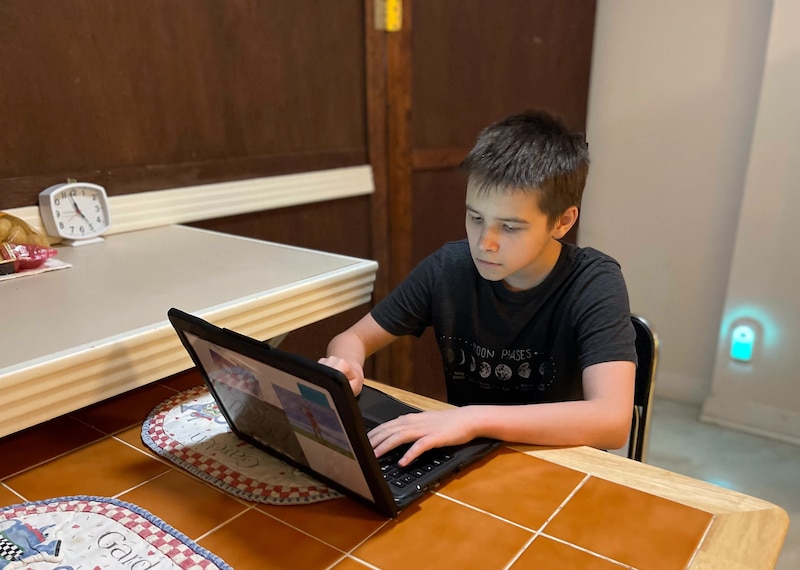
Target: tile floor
(74, 455)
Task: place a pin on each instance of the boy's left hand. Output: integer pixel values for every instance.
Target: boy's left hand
(426, 429)
(352, 370)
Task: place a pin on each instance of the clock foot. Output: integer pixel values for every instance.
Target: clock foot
(77, 242)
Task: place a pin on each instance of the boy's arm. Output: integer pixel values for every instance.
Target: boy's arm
(348, 350)
(602, 419)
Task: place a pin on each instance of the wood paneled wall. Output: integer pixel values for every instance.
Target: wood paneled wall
(148, 94)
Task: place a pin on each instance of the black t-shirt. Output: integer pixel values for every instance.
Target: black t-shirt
(501, 346)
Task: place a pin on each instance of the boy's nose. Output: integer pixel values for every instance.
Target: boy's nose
(487, 241)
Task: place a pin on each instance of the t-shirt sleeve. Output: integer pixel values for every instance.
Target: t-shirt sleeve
(406, 310)
(602, 311)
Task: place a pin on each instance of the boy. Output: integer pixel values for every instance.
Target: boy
(535, 334)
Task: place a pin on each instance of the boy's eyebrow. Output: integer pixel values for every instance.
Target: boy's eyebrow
(511, 220)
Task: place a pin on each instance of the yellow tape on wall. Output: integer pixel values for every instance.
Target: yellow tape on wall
(389, 15)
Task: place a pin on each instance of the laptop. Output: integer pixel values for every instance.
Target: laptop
(306, 414)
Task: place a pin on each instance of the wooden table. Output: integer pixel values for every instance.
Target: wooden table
(76, 336)
(633, 513)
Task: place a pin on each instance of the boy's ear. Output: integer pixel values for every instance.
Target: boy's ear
(565, 222)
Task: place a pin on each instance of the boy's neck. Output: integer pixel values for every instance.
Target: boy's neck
(543, 267)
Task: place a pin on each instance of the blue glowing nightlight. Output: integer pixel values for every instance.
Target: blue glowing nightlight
(743, 340)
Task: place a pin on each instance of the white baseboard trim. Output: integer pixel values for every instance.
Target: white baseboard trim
(143, 210)
(752, 417)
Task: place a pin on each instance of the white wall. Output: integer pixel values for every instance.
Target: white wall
(763, 395)
(672, 109)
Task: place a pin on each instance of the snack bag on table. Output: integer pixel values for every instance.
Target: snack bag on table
(21, 246)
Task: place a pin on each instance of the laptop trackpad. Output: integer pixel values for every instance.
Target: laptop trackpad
(378, 407)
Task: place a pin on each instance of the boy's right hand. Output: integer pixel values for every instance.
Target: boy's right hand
(352, 370)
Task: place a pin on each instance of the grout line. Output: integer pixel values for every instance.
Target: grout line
(540, 530)
(72, 416)
(518, 525)
(366, 538)
(702, 540)
(174, 467)
(220, 525)
(23, 499)
(560, 507)
(586, 550)
(337, 562)
(59, 456)
(521, 550)
(117, 496)
(494, 516)
(357, 559)
(146, 453)
(301, 531)
(345, 554)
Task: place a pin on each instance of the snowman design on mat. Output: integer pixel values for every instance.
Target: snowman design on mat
(22, 544)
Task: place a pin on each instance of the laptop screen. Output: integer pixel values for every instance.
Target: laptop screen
(295, 418)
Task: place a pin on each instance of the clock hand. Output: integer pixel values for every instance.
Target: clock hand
(77, 209)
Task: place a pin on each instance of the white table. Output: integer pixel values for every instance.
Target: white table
(76, 336)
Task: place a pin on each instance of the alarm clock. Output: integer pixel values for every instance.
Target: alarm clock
(77, 212)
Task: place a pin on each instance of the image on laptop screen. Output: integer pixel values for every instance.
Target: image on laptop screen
(300, 418)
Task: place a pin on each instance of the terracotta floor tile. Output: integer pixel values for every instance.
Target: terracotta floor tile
(133, 435)
(548, 553)
(630, 526)
(255, 541)
(185, 502)
(343, 523)
(183, 380)
(126, 410)
(430, 534)
(515, 486)
(8, 498)
(42, 442)
(105, 468)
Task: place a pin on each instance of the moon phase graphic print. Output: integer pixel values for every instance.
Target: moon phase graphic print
(521, 371)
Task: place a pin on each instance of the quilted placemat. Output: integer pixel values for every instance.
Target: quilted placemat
(189, 430)
(94, 533)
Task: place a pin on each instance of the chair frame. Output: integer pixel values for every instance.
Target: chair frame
(648, 345)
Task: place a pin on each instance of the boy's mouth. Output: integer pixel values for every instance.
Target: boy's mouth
(486, 263)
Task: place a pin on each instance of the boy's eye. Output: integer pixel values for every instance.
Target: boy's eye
(508, 228)
(475, 219)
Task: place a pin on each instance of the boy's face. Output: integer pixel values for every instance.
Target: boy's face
(509, 236)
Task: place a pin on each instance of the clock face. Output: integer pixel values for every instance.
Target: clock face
(75, 211)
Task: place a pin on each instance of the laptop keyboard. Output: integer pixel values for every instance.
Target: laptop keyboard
(402, 476)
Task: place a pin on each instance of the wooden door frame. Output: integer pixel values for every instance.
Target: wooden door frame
(388, 55)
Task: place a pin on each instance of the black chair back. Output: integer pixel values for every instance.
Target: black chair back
(647, 347)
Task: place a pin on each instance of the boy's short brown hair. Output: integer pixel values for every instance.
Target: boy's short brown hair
(532, 151)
